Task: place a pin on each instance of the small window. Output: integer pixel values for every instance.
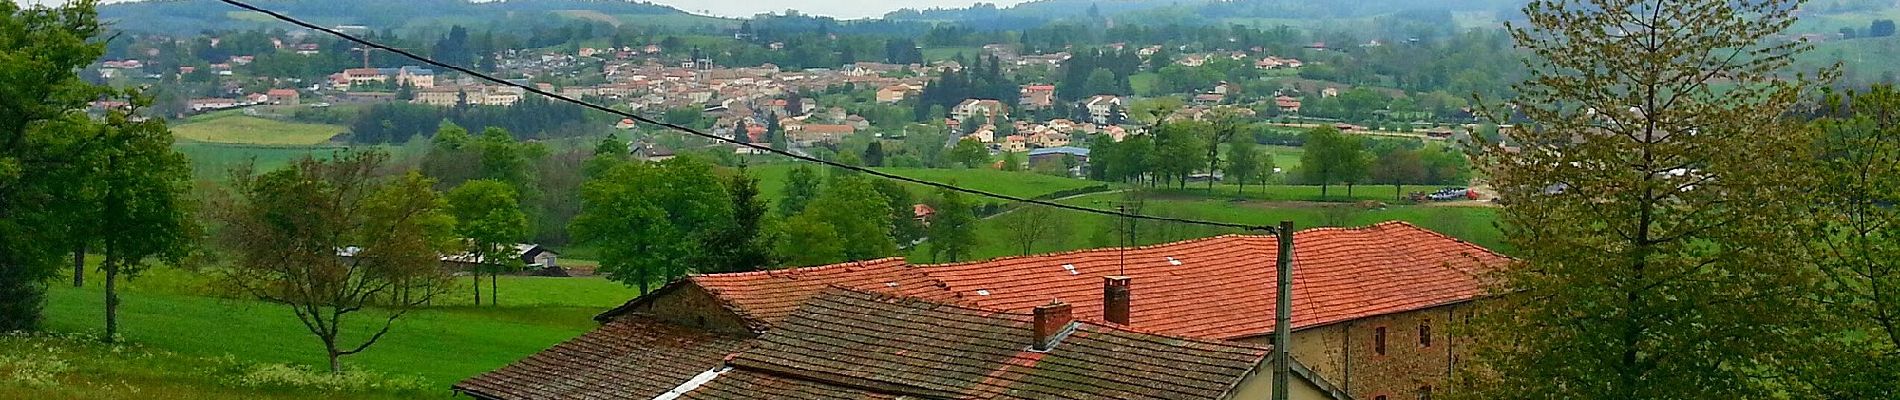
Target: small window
(1379, 397)
(1378, 341)
(1425, 392)
(1425, 334)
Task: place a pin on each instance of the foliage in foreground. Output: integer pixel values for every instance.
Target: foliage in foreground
(47, 366)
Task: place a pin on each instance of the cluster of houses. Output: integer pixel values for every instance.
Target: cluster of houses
(1376, 315)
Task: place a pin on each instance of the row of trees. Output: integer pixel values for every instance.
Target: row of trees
(533, 117)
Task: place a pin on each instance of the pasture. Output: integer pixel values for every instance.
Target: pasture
(233, 128)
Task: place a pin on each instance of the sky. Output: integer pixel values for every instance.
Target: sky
(842, 9)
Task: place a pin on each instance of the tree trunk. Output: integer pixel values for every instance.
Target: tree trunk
(112, 299)
(79, 266)
(1397, 192)
(494, 289)
(1349, 191)
(477, 275)
(336, 357)
(1322, 190)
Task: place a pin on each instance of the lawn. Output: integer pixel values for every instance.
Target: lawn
(235, 128)
(169, 309)
(772, 179)
(950, 53)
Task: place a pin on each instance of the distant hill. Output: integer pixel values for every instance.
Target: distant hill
(192, 16)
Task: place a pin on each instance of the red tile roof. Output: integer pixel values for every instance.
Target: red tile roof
(1219, 288)
(935, 350)
(766, 297)
(630, 357)
(1223, 287)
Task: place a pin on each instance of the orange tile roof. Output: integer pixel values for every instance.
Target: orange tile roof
(1223, 287)
(1219, 288)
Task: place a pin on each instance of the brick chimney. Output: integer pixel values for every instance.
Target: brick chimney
(1115, 299)
(1051, 320)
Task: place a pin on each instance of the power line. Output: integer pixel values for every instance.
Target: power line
(691, 131)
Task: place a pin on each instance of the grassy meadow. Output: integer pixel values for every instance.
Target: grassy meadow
(1077, 230)
(176, 314)
(773, 177)
(231, 127)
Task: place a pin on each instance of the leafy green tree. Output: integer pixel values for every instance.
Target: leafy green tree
(144, 214)
(1243, 160)
(652, 220)
(1857, 247)
(874, 154)
(1013, 161)
(490, 221)
(287, 227)
(802, 185)
(953, 229)
(859, 215)
(970, 154)
(1650, 206)
(904, 226)
(745, 245)
(43, 137)
(1331, 157)
(1180, 149)
(452, 157)
(806, 241)
(1031, 224)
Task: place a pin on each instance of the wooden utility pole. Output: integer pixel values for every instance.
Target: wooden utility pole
(1283, 312)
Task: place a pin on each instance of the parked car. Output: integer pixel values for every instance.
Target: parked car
(1449, 194)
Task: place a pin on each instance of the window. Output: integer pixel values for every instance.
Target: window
(1379, 397)
(1425, 334)
(1378, 340)
(1425, 392)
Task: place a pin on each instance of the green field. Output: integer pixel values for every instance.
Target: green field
(950, 53)
(1025, 184)
(1864, 60)
(233, 128)
(171, 310)
(1082, 231)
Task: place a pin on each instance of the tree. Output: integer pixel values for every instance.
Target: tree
(874, 154)
(860, 216)
(802, 185)
(490, 222)
(287, 227)
(143, 211)
(452, 157)
(1855, 248)
(1398, 167)
(1880, 28)
(1649, 208)
(904, 226)
(744, 244)
(1179, 149)
(1013, 161)
(970, 153)
(1243, 160)
(1331, 157)
(1031, 224)
(652, 220)
(953, 230)
(43, 137)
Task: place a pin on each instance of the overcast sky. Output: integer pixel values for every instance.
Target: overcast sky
(747, 8)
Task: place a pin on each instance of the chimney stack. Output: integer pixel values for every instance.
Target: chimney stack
(1115, 299)
(1051, 321)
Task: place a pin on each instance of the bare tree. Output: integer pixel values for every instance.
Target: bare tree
(330, 239)
(1032, 224)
